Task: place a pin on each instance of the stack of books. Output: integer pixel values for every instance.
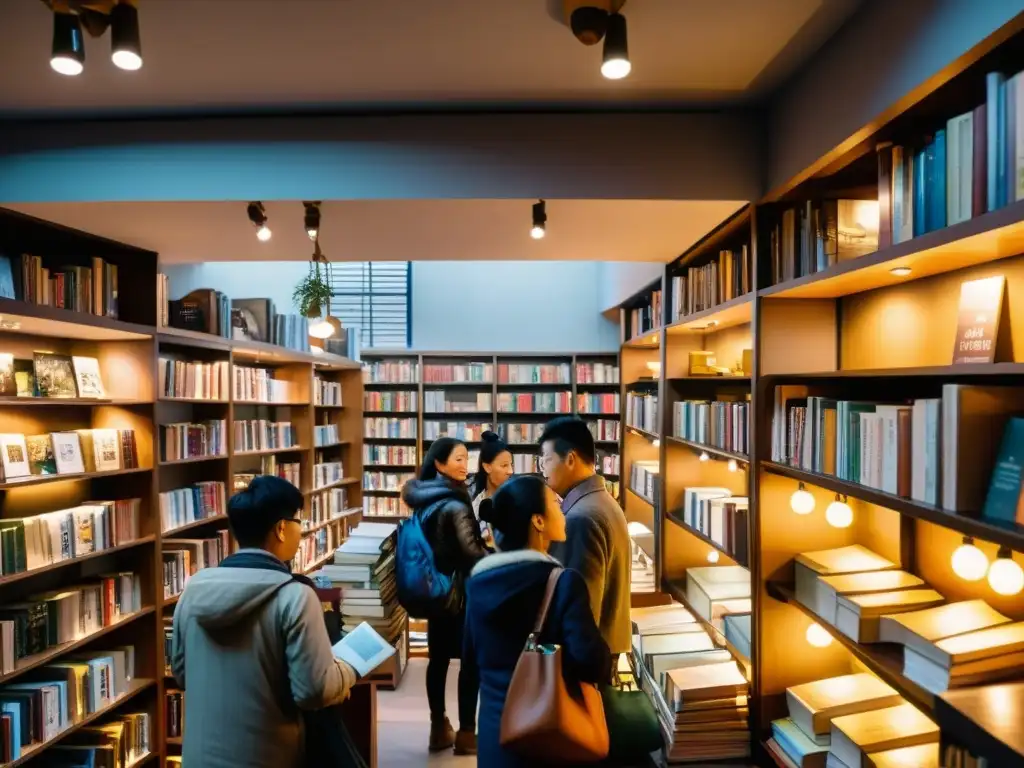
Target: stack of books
(850, 721)
(187, 380)
(258, 385)
(718, 515)
(642, 574)
(717, 591)
(644, 480)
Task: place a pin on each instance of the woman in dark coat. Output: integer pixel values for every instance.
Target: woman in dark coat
(502, 599)
(440, 499)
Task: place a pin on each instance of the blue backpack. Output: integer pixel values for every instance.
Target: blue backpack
(423, 591)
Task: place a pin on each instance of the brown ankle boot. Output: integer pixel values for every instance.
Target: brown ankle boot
(442, 735)
(465, 743)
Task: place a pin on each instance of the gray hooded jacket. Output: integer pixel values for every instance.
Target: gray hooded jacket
(250, 648)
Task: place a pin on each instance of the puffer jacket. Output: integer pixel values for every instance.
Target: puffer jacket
(446, 513)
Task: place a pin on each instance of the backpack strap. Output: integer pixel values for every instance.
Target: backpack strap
(545, 605)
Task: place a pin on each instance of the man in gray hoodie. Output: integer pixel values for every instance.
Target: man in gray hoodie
(250, 646)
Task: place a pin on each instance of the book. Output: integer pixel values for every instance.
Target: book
(54, 375)
(1004, 499)
(8, 384)
(978, 318)
(708, 681)
(903, 725)
(707, 586)
(858, 616)
(14, 456)
(40, 455)
(67, 453)
(802, 751)
(812, 706)
(87, 377)
(827, 562)
(832, 587)
(920, 629)
(24, 378)
(921, 756)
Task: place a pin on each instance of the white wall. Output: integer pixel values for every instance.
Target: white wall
(546, 306)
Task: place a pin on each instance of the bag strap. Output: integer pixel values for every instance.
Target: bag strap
(549, 594)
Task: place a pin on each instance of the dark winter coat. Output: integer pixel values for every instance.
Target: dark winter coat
(503, 596)
(448, 521)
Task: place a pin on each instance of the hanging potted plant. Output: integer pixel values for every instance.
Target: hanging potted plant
(312, 295)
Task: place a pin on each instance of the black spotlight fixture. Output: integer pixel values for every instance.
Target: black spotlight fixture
(311, 219)
(258, 217)
(67, 56)
(126, 46)
(616, 51)
(540, 220)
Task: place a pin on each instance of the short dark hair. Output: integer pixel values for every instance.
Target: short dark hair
(570, 433)
(512, 508)
(439, 451)
(254, 512)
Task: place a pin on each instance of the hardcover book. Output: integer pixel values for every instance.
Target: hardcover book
(40, 455)
(878, 730)
(977, 326)
(920, 629)
(812, 706)
(8, 386)
(87, 376)
(55, 376)
(921, 756)
(14, 456)
(67, 453)
(810, 565)
(24, 378)
(845, 585)
(859, 616)
(1004, 500)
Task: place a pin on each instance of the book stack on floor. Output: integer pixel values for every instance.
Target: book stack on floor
(717, 591)
(697, 689)
(642, 545)
(851, 721)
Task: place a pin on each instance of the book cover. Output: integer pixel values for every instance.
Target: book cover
(879, 730)
(87, 376)
(8, 385)
(920, 629)
(812, 706)
(40, 455)
(55, 375)
(14, 456)
(977, 329)
(1004, 500)
(67, 453)
(24, 378)
(921, 756)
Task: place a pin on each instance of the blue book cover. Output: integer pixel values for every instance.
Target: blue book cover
(929, 186)
(1009, 189)
(937, 193)
(920, 209)
(737, 631)
(14, 710)
(1003, 501)
(794, 742)
(996, 160)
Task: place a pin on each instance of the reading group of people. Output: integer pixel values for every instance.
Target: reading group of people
(250, 647)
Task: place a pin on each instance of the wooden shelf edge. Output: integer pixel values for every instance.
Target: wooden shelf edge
(671, 516)
(67, 402)
(170, 533)
(1007, 534)
(739, 457)
(642, 433)
(41, 479)
(270, 451)
(935, 371)
(716, 316)
(21, 576)
(191, 460)
(335, 484)
(641, 497)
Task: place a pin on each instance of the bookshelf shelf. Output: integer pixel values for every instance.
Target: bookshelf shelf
(736, 311)
(672, 517)
(986, 719)
(335, 444)
(640, 496)
(173, 532)
(270, 451)
(319, 562)
(22, 482)
(328, 407)
(67, 402)
(710, 450)
(192, 460)
(945, 372)
(1003, 534)
(457, 384)
(642, 433)
(40, 320)
(196, 400)
(335, 484)
(171, 600)
(22, 575)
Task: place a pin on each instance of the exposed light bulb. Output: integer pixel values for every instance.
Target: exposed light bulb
(537, 233)
(838, 514)
(704, 456)
(311, 219)
(818, 637)
(615, 63)
(656, 442)
(540, 220)
(969, 562)
(1006, 576)
(263, 233)
(801, 502)
(733, 466)
(899, 271)
(321, 329)
(713, 556)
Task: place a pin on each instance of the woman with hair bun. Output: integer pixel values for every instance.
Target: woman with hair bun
(503, 597)
(494, 468)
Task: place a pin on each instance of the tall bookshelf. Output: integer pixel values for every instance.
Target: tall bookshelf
(466, 393)
(878, 327)
(128, 350)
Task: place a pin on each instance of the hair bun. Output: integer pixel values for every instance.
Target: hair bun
(490, 437)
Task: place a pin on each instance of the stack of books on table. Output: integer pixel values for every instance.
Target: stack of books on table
(697, 689)
(852, 721)
(717, 591)
(642, 546)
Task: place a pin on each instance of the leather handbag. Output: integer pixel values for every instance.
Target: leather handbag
(544, 714)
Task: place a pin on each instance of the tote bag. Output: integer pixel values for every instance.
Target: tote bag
(545, 716)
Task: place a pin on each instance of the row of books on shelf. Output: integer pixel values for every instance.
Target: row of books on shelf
(642, 411)
(209, 311)
(534, 402)
(324, 506)
(193, 440)
(174, 713)
(41, 622)
(386, 481)
(389, 428)
(314, 548)
(720, 516)
(722, 424)
(644, 479)
(439, 373)
(911, 448)
(870, 599)
(518, 434)
(326, 392)
(636, 321)
(462, 430)
(259, 385)
(597, 373)
(183, 558)
(442, 401)
(193, 380)
(393, 455)
(607, 402)
(534, 373)
(525, 463)
(605, 430)
(67, 453)
(89, 289)
(326, 434)
(263, 435)
(200, 501)
(608, 463)
(641, 542)
(35, 542)
(391, 372)
(384, 506)
(269, 465)
(820, 234)
(728, 277)
(325, 473)
(50, 375)
(390, 400)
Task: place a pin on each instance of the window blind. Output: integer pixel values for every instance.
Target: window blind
(375, 297)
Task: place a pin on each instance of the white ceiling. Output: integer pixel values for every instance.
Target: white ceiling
(206, 55)
(413, 230)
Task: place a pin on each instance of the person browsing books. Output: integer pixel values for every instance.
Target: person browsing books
(441, 503)
(249, 643)
(597, 542)
(503, 597)
(495, 467)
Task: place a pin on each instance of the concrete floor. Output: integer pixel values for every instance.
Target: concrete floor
(403, 722)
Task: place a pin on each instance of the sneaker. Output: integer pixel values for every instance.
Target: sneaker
(465, 743)
(442, 735)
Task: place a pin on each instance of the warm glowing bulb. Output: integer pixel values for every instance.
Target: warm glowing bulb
(818, 637)
(656, 442)
(321, 329)
(713, 556)
(802, 502)
(312, 233)
(66, 65)
(969, 562)
(537, 233)
(1006, 576)
(733, 466)
(128, 60)
(315, 349)
(263, 233)
(616, 69)
(838, 514)
(704, 456)
(899, 271)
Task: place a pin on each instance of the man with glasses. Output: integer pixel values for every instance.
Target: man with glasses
(597, 542)
(250, 645)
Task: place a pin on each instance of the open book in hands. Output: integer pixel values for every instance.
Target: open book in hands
(363, 649)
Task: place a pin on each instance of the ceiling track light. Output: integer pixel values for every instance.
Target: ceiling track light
(540, 220)
(258, 216)
(125, 42)
(311, 219)
(615, 64)
(67, 53)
